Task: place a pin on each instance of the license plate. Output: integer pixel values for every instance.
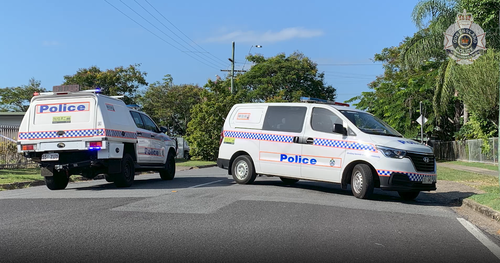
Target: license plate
(50, 157)
(427, 180)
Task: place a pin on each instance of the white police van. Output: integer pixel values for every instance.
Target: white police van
(323, 141)
(83, 132)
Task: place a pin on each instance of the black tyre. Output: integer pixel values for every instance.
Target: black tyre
(58, 181)
(288, 181)
(408, 195)
(169, 172)
(243, 170)
(362, 181)
(109, 178)
(126, 177)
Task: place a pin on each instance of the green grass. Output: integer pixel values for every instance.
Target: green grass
(478, 165)
(487, 183)
(8, 176)
(192, 163)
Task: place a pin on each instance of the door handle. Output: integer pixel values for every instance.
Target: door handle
(152, 135)
(310, 140)
(139, 133)
(295, 139)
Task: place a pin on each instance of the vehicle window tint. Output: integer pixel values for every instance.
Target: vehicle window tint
(322, 120)
(284, 118)
(137, 119)
(149, 124)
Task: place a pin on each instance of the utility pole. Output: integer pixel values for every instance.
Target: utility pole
(421, 125)
(232, 71)
(498, 137)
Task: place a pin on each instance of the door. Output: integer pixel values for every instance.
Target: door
(156, 148)
(279, 152)
(143, 139)
(324, 148)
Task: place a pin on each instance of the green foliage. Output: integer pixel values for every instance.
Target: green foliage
(113, 82)
(208, 117)
(282, 78)
(16, 99)
(170, 105)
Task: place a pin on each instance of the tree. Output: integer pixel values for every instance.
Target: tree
(283, 78)
(170, 105)
(113, 82)
(208, 118)
(16, 99)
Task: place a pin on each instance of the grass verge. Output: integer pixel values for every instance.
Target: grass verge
(192, 163)
(477, 165)
(487, 183)
(9, 176)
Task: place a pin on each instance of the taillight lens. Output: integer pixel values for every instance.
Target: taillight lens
(95, 145)
(28, 147)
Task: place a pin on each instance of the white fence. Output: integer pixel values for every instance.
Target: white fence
(9, 158)
(468, 151)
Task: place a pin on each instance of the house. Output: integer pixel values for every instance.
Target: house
(11, 118)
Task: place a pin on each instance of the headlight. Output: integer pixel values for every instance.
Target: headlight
(391, 152)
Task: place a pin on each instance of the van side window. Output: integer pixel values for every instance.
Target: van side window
(137, 119)
(323, 120)
(284, 118)
(150, 124)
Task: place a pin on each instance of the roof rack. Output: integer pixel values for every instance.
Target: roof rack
(322, 101)
(134, 107)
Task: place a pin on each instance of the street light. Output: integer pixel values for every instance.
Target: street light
(257, 46)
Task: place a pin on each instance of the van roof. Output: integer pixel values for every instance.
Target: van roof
(340, 108)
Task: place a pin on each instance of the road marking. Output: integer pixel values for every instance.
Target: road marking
(199, 185)
(480, 236)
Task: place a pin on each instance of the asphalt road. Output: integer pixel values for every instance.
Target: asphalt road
(203, 216)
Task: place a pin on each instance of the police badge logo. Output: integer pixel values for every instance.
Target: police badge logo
(332, 162)
(465, 40)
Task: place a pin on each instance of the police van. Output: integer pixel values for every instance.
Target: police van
(323, 141)
(68, 132)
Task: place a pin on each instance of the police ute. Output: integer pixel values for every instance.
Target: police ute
(71, 132)
(323, 141)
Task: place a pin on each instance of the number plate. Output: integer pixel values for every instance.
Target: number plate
(50, 157)
(427, 180)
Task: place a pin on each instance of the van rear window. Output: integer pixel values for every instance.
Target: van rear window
(284, 118)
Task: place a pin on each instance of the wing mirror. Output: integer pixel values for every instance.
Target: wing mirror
(339, 128)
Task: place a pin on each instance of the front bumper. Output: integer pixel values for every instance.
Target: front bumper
(401, 182)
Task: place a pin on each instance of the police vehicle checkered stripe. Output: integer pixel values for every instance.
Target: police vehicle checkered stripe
(415, 177)
(258, 136)
(121, 134)
(75, 134)
(53, 134)
(345, 144)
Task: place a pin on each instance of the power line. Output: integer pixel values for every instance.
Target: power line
(183, 33)
(165, 33)
(348, 64)
(156, 34)
(196, 51)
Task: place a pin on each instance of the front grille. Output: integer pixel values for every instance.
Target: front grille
(420, 164)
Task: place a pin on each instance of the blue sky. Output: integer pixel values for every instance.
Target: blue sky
(50, 39)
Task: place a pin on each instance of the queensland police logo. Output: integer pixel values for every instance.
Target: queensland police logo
(465, 40)
(332, 162)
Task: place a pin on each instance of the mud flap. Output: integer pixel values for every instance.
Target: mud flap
(114, 166)
(47, 171)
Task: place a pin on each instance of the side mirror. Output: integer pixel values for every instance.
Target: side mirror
(163, 129)
(339, 128)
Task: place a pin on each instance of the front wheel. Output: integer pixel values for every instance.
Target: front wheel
(58, 181)
(243, 170)
(126, 177)
(168, 172)
(408, 195)
(362, 181)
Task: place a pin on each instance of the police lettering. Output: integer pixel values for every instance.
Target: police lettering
(151, 152)
(297, 159)
(61, 108)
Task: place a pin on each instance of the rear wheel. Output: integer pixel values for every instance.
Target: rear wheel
(58, 181)
(362, 181)
(408, 195)
(243, 170)
(288, 181)
(169, 172)
(126, 177)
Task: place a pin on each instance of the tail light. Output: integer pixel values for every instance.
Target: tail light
(28, 147)
(221, 137)
(95, 145)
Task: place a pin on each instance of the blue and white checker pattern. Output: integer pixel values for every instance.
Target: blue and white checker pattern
(259, 136)
(415, 177)
(121, 134)
(345, 144)
(53, 134)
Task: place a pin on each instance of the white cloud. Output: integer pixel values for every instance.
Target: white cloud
(50, 43)
(266, 37)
